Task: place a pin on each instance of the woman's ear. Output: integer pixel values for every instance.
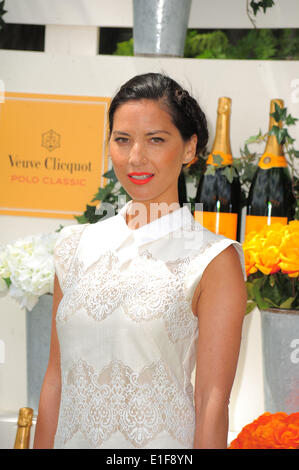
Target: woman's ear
(190, 150)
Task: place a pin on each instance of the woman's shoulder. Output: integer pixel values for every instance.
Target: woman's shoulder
(69, 231)
(206, 245)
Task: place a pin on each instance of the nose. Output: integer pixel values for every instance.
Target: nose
(137, 154)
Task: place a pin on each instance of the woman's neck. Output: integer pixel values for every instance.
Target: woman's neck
(142, 213)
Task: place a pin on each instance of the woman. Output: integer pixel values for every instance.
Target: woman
(140, 301)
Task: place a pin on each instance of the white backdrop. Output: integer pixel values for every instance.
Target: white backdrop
(70, 66)
(203, 14)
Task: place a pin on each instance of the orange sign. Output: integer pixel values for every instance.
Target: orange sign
(52, 153)
(221, 223)
(257, 222)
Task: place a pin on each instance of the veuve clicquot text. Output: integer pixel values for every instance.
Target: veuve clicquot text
(221, 199)
(270, 198)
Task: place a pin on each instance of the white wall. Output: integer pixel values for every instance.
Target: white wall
(70, 66)
(119, 13)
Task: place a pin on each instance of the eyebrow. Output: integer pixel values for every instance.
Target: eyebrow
(158, 131)
(120, 132)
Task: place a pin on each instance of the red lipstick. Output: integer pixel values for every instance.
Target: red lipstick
(141, 177)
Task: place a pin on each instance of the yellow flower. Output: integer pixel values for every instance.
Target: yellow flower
(293, 226)
(273, 248)
(289, 253)
(268, 260)
(250, 260)
(273, 238)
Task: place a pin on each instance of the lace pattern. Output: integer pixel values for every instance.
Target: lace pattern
(103, 287)
(138, 404)
(65, 250)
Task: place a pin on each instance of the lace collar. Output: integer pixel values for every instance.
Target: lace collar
(160, 227)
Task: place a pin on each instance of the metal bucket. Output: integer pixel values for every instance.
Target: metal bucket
(38, 335)
(160, 27)
(280, 343)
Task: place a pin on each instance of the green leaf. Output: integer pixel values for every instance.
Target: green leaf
(253, 138)
(290, 120)
(272, 291)
(255, 6)
(2, 12)
(249, 172)
(217, 159)
(250, 306)
(267, 4)
(246, 149)
(229, 172)
(110, 174)
(280, 133)
(103, 192)
(262, 304)
(289, 139)
(206, 45)
(250, 293)
(257, 295)
(263, 4)
(271, 303)
(7, 280)
(287, 303)
(81, 219)
(125, 48)
(279, 113)
(59, 228)
(272, 281)
(210, 170)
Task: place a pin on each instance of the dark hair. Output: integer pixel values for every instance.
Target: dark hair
(184, 110)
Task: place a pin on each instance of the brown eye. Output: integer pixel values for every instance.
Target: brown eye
(121, 140)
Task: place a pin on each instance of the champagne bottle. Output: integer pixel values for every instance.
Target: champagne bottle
(221, 198)
(23, 432)
(270, 198)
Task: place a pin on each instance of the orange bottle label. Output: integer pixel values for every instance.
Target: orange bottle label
(227, 158)
(221, 223)
(257, 222)
(269, 160)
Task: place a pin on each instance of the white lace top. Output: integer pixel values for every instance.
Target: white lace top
(127, 332)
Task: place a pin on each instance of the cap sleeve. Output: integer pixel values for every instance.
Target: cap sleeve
(65, 249)
(200, 261)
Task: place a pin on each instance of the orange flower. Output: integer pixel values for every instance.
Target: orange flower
(290, 254)
(268, 260)
(267, 230)
(269, 431)
(293, 226)
(273, 248)
(250, 260)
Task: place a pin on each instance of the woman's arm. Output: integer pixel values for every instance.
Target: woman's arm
(220, 309)
(49, 402)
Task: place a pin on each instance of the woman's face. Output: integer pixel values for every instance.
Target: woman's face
(145, 140)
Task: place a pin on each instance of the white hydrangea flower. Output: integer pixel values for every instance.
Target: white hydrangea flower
(3, 287)
(29, 264)
(4, 271)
